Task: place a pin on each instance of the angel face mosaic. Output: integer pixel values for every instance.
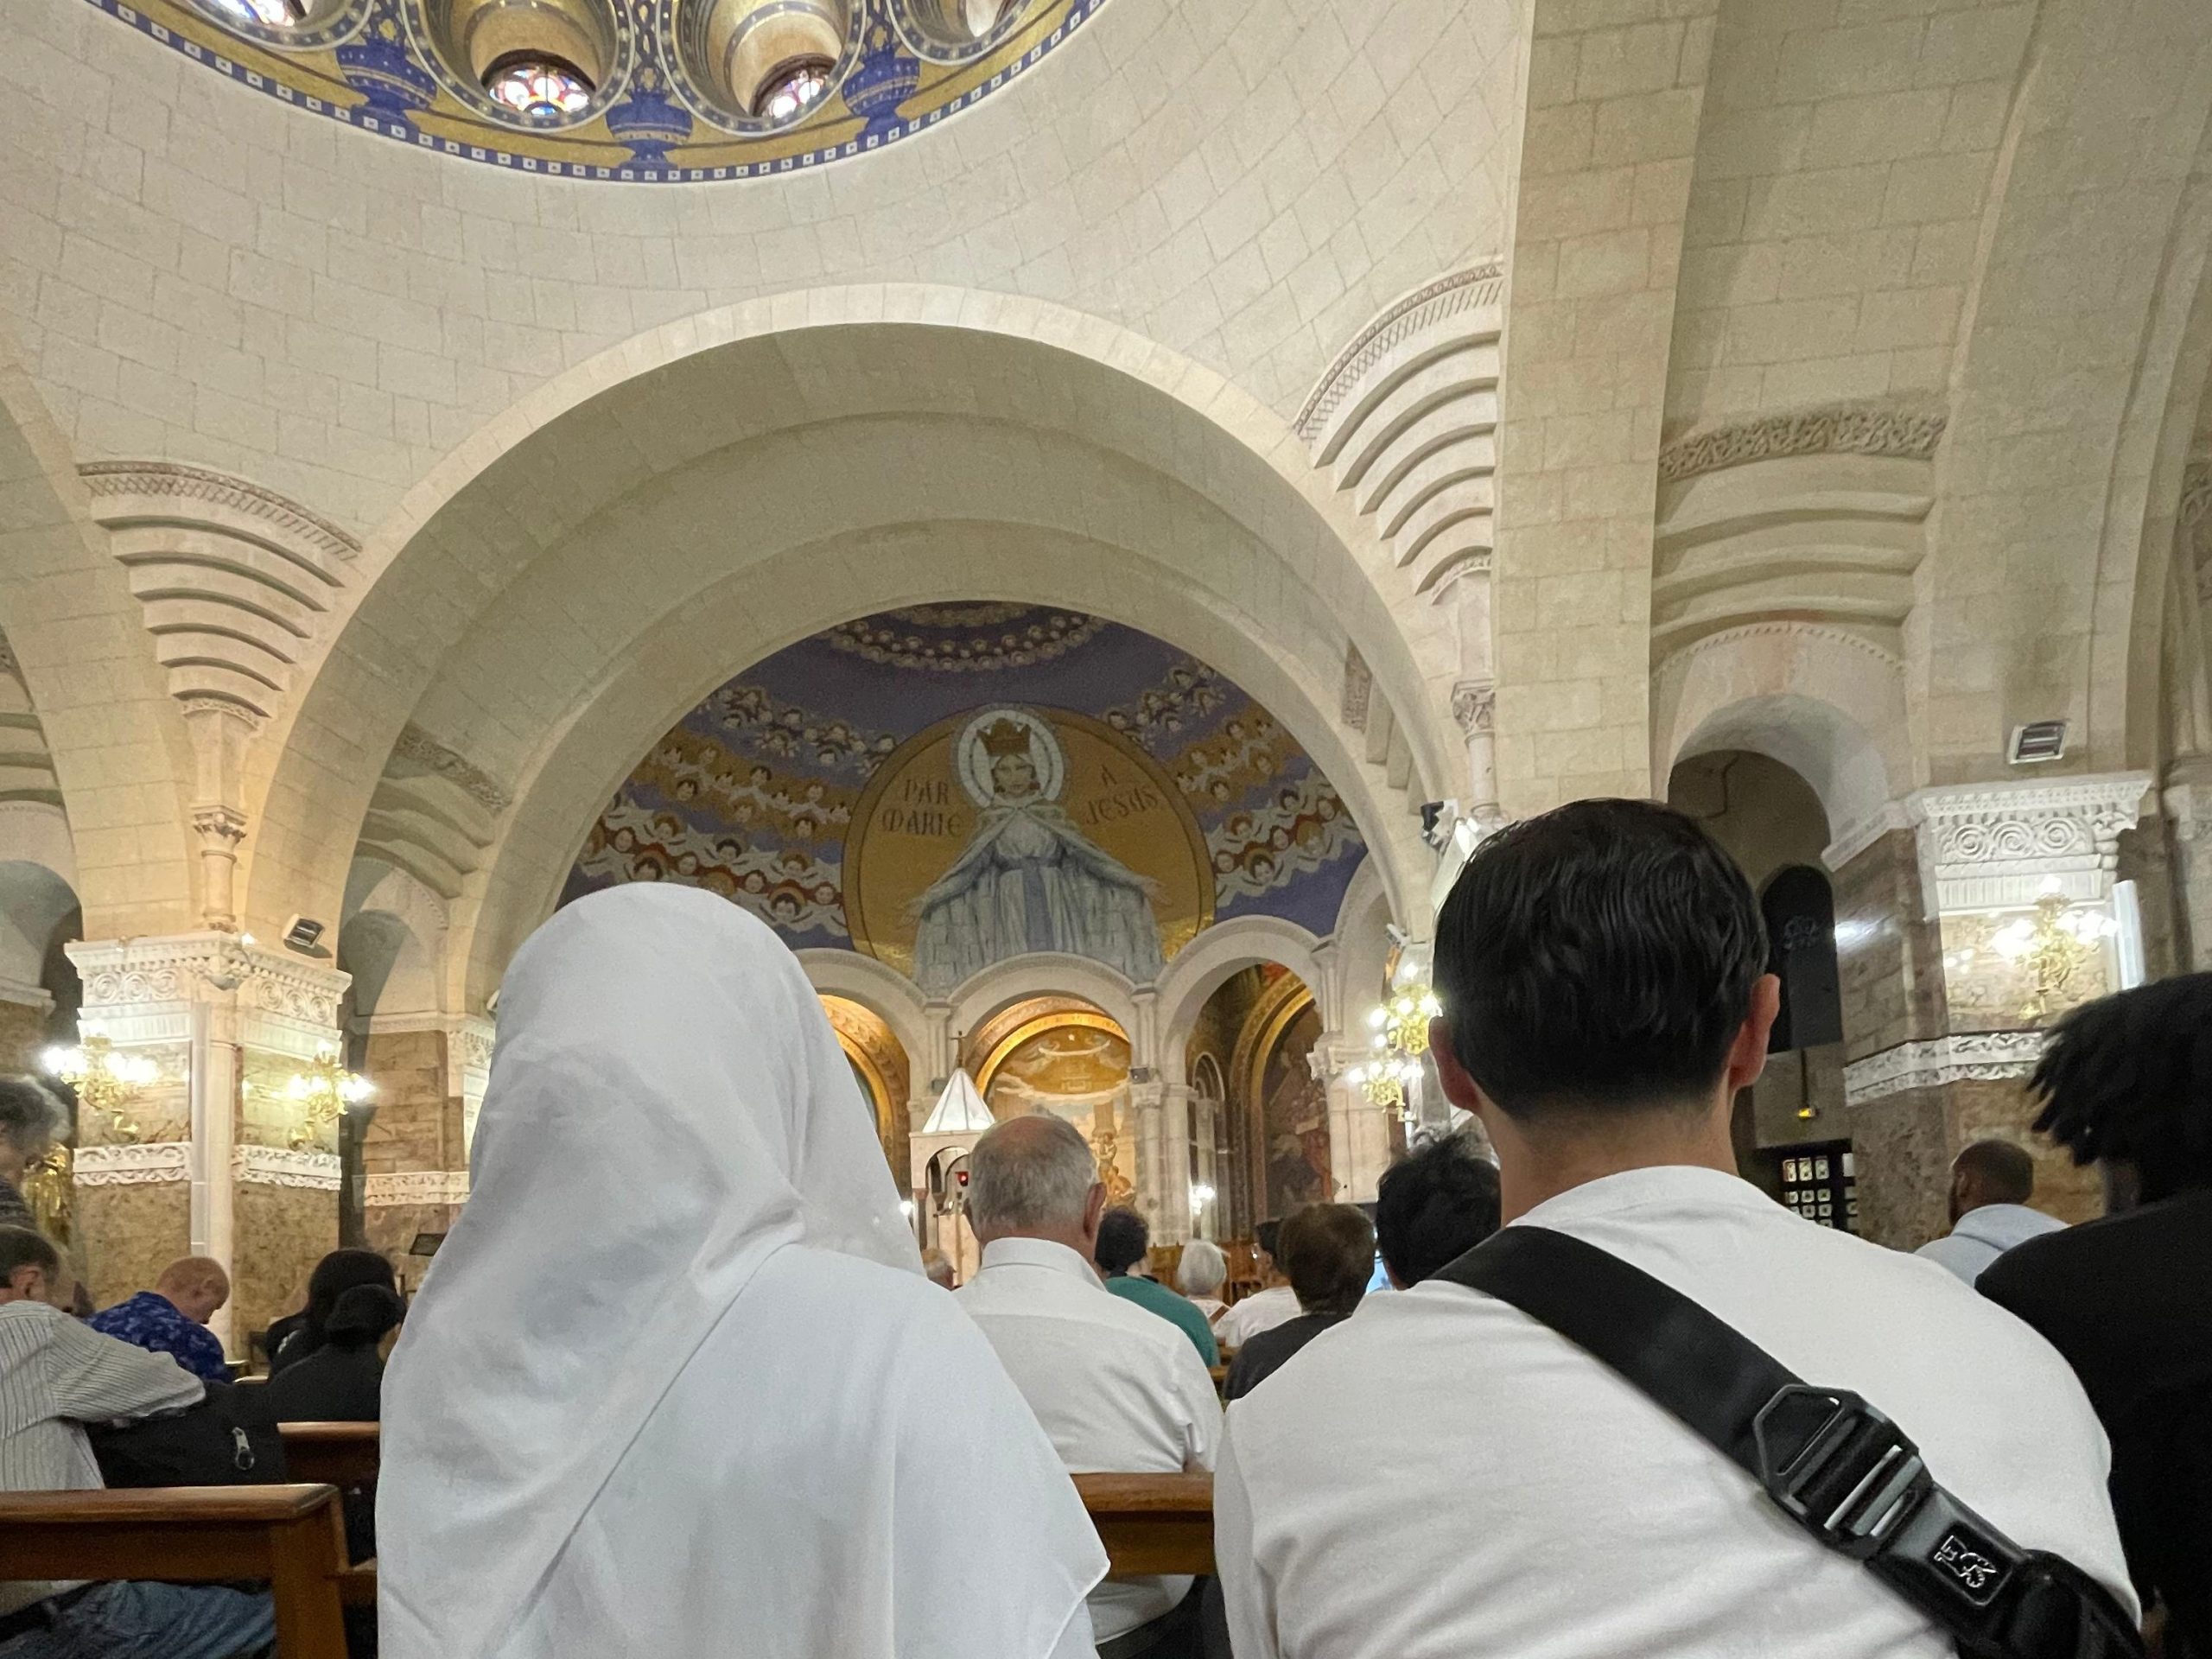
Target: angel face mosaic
(643, 91)
(945, 787)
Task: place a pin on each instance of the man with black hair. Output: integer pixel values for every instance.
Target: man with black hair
(1432, 1206)
(1446, 1476)
(1328, 1251)
(1991, 1184)
(1124, 1240)
(2126, 1083)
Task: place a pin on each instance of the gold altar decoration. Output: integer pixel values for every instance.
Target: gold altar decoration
(49, 1186)
(105, 1080)
(2053, 946)
(323, 1093)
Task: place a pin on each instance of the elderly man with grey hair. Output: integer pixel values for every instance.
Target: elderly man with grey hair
(1119, 1389)
(32, 1117)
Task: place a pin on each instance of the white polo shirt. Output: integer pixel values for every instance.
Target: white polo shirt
(1262, 1311)
(1442, 1476)
(1119, 1389)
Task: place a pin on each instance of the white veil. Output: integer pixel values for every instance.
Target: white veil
(668, 1108)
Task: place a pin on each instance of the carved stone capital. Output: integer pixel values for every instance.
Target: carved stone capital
(281, 1166)
(1974, 1056)
(1474, 705)
(1999, 846)
(149, 1163)
(411, 1186)
(123, 977)
(219, 828)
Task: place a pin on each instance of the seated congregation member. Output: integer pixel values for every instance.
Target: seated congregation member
(675, 1385)
(2126, 1081)
(172, 1317)
(31, 1118)
(1124, 1239)
(1266, 1308)
(1200, 1274)
(341, 1382)
(1432, 1206)
(1118, 1389)
(1446, 1476)
(1991, 1184)
(1328, 1250)
(55, 1376)
(292, 1339)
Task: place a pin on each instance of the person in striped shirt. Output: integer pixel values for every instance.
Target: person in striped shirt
(56, 1375)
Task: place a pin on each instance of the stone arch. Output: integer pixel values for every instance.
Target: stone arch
(1221, 951)
(1049, 973)
(1822, 701)
(392, 940)
(887, 994)
(73, 628)
(577, 451)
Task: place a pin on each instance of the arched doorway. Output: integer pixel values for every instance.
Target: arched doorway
(1270, 1144)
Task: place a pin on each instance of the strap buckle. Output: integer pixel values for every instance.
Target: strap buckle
(1839, 1467)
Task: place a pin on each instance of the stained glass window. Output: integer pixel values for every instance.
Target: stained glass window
(538, 83)
(269, 14)
(796, 87)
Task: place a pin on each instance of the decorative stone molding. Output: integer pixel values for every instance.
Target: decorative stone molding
(1360, 689)
(1843, 429)
(1856, 837)
(1462, 290)
(1997, 846)
(121, 975)
(1474, 705)
(415, 1186)
(281, 1166)
(163, 478)
(417, 745)
(150, 1163)
(1974, 1056)
(2195, 523)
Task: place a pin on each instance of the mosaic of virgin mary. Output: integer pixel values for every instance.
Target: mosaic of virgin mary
(1028, 878)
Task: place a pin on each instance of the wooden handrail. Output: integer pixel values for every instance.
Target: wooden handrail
(1152, 1523)
(294, 1536)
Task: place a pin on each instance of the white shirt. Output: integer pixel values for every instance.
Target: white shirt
(1119, 1389)
(1442, 1478)
(54, 1375)
(1981, 1236)
(1262, 1311)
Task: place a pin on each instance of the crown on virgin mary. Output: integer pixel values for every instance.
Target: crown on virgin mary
(1006, 737)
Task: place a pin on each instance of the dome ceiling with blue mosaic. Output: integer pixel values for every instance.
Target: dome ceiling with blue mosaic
(649, 90)
(946, 786)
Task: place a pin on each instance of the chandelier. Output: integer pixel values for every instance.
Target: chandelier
(1398, 1039)
(105, 1079)
(322, 1093)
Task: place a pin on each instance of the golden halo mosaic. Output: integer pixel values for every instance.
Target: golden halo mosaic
(641, 90)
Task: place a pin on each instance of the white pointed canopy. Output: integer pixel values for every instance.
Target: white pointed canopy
(960, 1110)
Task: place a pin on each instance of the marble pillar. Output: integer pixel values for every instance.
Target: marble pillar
(217, 1156)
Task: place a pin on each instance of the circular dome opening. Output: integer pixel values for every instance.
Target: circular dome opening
(954, 31)
(299, 24)
(537, 62)
(751, 63)
(538, 84)
(792, 88)
(269, 14)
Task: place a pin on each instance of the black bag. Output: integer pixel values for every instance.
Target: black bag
(1832, 1463)
(219, 1442)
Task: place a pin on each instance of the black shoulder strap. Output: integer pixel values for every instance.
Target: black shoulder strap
(1837, 1466)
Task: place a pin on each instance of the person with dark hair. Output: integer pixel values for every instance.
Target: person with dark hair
(1991, 1184)
(1602, 970)
(1432, 1206)
(293, 1338)
(1328, 1251)
(1273, 1303)
(55, 1377)
(342, 1381)
(2127, 1083)
(32, 1117)
(1124, 1240)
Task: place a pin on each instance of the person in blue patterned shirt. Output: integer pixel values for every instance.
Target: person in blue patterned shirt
(172, 1317)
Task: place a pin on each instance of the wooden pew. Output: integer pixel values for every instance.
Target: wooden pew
(1149, 1523)
(1152, 1523)
(293, 1536)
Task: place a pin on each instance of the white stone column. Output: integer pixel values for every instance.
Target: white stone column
(1174, 1225)
(2188, 800)
(1147, 1107)
(1359, 1130)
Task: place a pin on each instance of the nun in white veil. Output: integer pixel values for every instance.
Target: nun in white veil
(676, 1384)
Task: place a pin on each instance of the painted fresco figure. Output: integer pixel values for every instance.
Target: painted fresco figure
(1028, 880)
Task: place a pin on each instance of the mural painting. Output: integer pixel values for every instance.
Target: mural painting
(1075, 1066)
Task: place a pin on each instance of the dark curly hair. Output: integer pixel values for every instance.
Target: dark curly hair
(1123, 1239)
(2129, 1078)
